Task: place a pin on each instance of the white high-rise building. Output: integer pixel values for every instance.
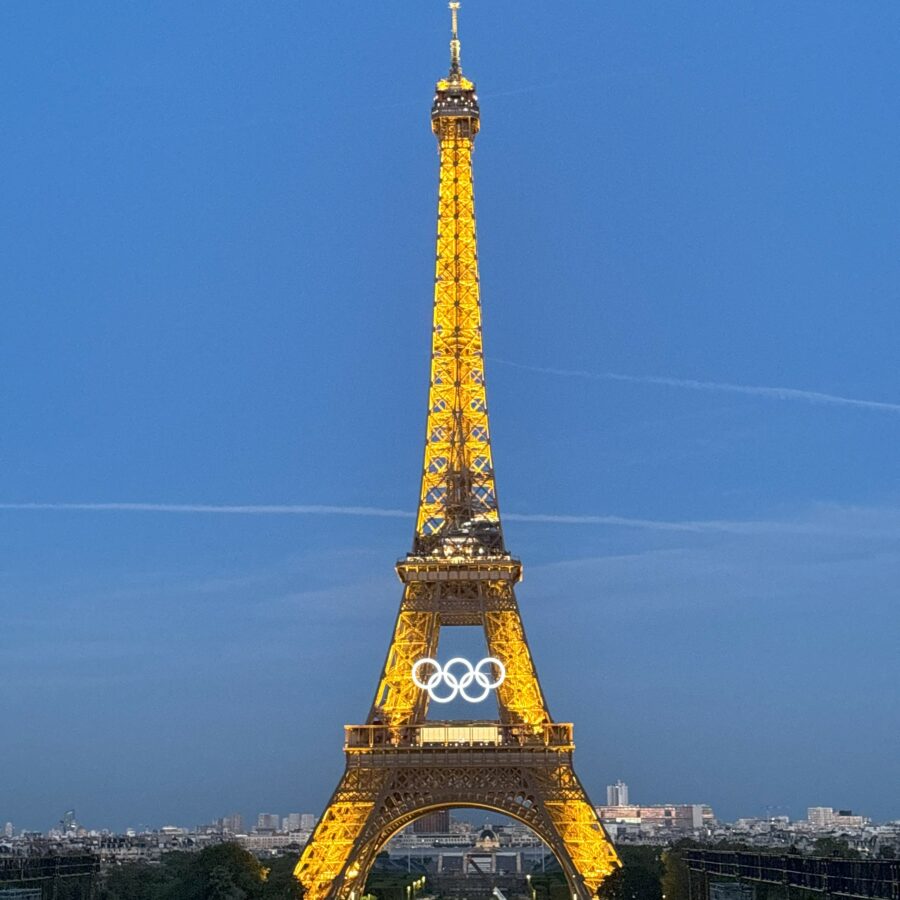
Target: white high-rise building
(307, 822)
(8, 830)
(617, 794)
(291, 822)
(820, 816)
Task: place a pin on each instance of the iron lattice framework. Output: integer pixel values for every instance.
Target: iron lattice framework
(400, 765)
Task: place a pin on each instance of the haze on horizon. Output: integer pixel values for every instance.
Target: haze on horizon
(217, 268)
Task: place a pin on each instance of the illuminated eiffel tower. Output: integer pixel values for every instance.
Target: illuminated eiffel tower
(399, 764)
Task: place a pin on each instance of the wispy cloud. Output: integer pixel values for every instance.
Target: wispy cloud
(772, 393)
(621, 521)
(699, 526)
(824, 553)
(216, 509)
(323, 510)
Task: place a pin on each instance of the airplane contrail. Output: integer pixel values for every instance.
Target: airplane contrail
(324, 510)
(774, 393)
(712, 526)
(229, 509)
(622, 521)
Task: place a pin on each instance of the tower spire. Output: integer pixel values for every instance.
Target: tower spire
(454, 38)
(458, 510)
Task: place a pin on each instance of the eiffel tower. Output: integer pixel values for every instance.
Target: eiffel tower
(400, 765)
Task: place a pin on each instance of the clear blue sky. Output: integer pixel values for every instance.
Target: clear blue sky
(215, 268)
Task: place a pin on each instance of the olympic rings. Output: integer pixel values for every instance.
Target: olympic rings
(458, 685)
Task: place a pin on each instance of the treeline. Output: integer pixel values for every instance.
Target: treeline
(228, 872)
(222, 872)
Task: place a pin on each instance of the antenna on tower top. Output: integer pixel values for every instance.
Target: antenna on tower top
(454, 37)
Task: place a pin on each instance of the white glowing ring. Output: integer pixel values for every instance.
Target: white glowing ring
(458, 685)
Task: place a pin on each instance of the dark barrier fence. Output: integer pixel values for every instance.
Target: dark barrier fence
(872, 879)
(24, 869)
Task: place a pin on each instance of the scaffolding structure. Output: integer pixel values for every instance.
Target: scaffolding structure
(866, 879)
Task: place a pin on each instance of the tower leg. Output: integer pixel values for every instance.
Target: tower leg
(327, 862)
(399, 701)
(519, 696)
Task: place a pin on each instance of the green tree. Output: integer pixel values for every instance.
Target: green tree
(676, 876)
(70, 889)
(222, 868)
(547, 884)
(639, 878)
(220, 886)
(834, 847)
(134, 881)
(222, 872)
(281, 884)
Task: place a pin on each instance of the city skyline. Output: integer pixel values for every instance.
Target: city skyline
(219, 408)
(659, 818)
(251, 819)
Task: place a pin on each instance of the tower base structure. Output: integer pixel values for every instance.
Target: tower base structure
(393, 778)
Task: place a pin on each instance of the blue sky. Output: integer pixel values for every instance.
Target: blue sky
(215, 271)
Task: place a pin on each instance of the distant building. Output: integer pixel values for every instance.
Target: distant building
(267, 841)
(617, 794)
(826, 817)
(437, 822)
(291, 822)
(234, 824)
(676, 817)
(844, 818)
(8, 830)
(820, 816)
(488, 839)
(267, 823)
(308, 821)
